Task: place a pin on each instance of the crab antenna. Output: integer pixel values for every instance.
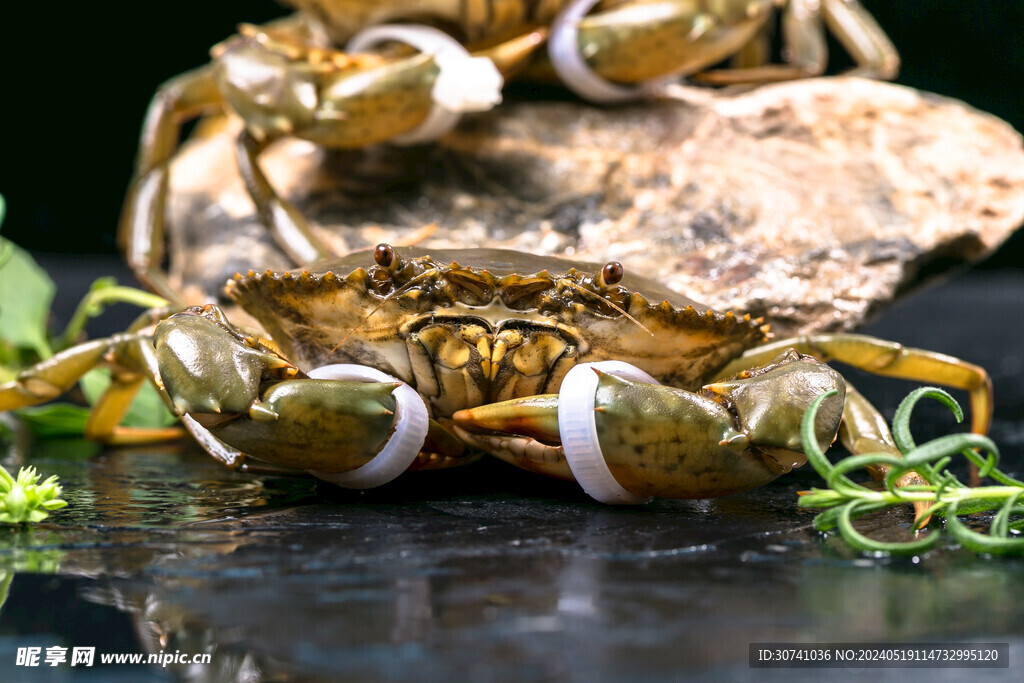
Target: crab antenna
(386, 299)
(610, 303)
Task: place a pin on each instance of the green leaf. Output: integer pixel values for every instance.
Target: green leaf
(901, 421)
(980, 543)
(147, 410)
(861, 542)
(26, 293)
(55, 421)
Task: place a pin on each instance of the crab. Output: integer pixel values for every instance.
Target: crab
(384, 362)
(334, 74)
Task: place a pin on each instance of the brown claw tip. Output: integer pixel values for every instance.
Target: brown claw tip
(716, 388)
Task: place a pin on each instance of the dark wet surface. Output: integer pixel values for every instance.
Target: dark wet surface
(493, 574)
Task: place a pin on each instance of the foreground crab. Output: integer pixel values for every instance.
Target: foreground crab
(450, 356)
(334, 75)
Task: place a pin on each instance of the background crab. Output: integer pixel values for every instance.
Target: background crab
(294, 78)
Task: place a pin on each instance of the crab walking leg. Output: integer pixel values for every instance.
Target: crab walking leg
(885, 358)
(104, 424)
(52, 377)
(143, 217)
(286, 223)
(863, 38)
(661, 441)
(806, 49)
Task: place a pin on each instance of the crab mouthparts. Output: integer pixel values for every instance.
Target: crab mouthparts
(474, 363)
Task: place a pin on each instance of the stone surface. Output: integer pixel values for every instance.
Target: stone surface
(812, 203)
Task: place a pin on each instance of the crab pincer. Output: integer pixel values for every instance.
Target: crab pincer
(625, 437)
(232, 389)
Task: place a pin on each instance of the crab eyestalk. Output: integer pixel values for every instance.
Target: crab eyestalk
(659, 441)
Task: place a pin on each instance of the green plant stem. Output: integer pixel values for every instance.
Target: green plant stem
(93, 303)
(819, 498)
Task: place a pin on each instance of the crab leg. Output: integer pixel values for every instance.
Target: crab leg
(52, 377)
(886, 358)
(806, 54)
(142, 229)
(661, 441)
(285, 222)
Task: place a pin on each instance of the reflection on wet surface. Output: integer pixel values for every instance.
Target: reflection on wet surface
(491, 573)
(486, 573)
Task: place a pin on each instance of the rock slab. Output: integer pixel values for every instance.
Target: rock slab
(812, 203)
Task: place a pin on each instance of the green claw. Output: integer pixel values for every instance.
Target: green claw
(729, 437)
(770, 401)
(311, 424)
(208, 366)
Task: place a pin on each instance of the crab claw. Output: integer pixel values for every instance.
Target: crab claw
(320, 425)
(771, 400)
(351, 425)
(654, 440)
(209, 366)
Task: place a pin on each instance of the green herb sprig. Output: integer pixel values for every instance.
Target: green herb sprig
(944, 494)
(26, 295)
(26, 500)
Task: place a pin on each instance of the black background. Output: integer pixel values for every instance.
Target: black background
(79, 79)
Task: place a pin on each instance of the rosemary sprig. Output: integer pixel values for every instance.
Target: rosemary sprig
(946, 496)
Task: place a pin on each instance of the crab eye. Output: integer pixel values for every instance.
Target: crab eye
(612, 272)
(384, 255)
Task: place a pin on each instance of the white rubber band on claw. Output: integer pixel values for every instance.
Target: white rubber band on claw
(411, 424)
(578, 430)
(572, 69)
(464, 84)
